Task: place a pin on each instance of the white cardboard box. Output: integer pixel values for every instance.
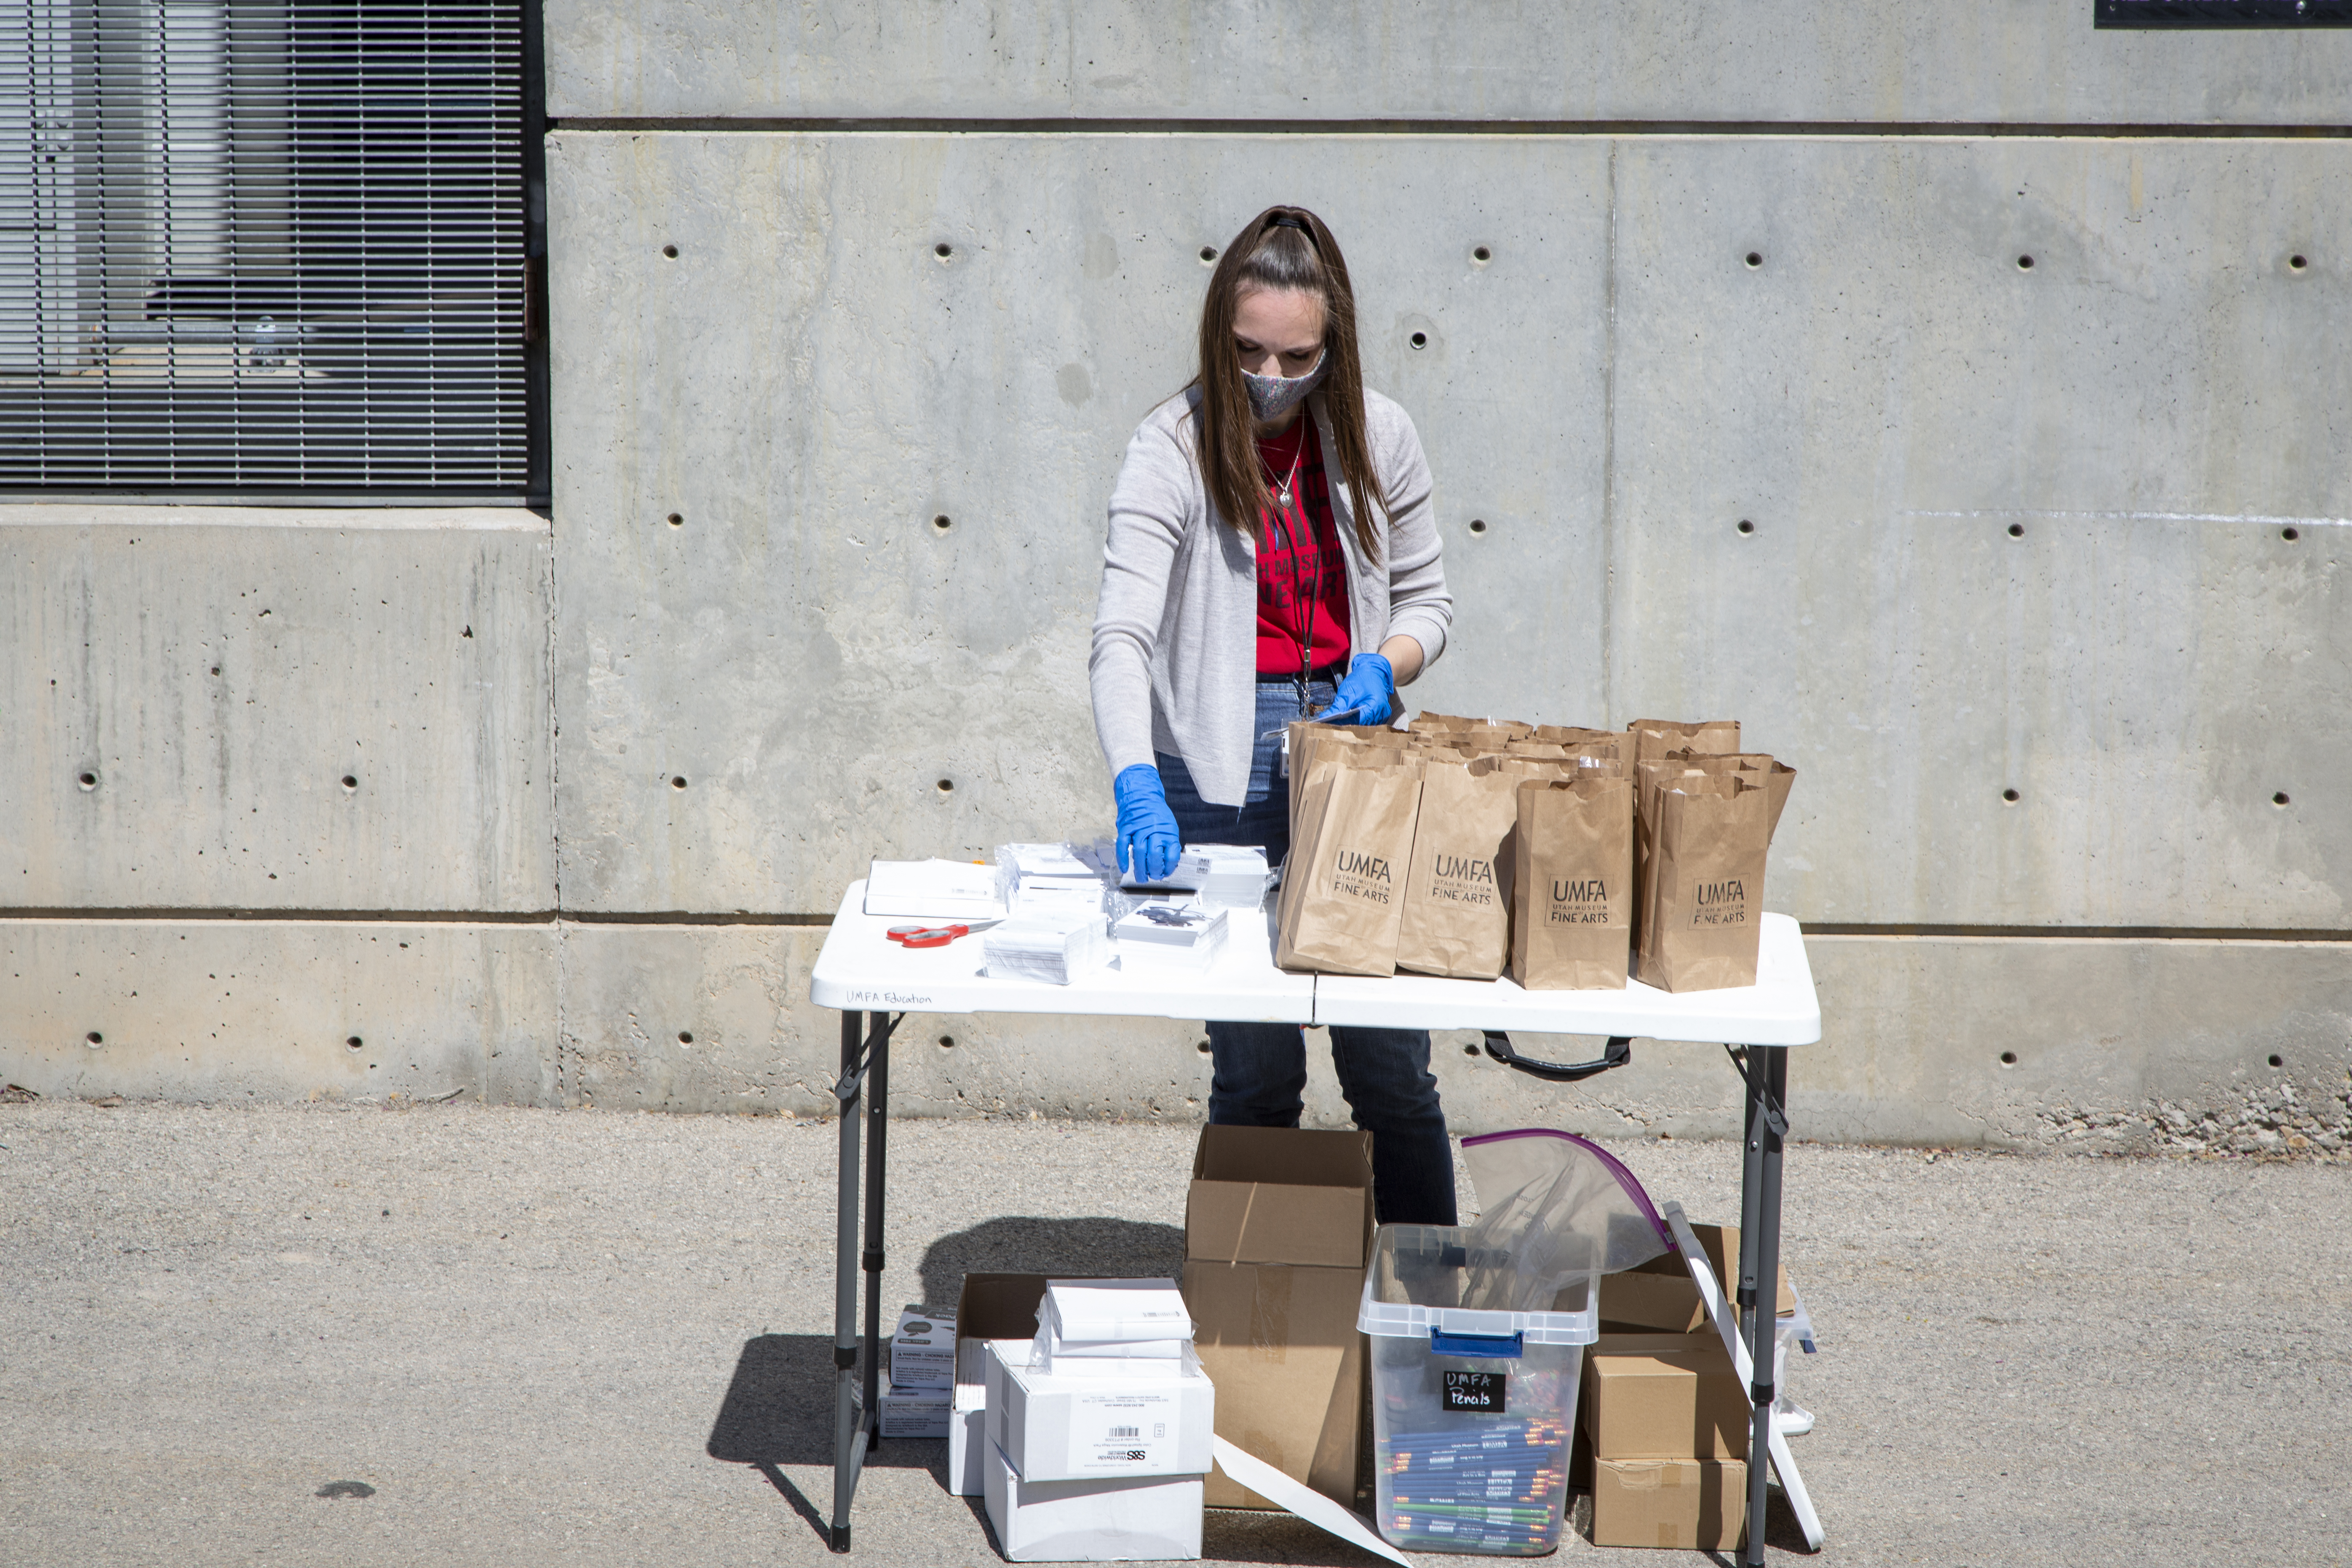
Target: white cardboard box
(968, 1438)
(1156, 1517)
(968, 1441)
(923, 1352)
(1115, 1309)
(914, 1413)
(1056, 1428)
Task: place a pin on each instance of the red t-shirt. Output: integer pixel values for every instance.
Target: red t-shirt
(1300, 567)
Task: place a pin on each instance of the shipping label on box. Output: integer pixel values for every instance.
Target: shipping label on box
(1058, 1428)
(1129, 1432)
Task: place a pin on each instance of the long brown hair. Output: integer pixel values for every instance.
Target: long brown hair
(1270, 254)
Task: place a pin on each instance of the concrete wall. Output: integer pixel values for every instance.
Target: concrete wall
(828, 519)
(2010, 62)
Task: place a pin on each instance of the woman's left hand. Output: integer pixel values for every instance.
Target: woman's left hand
(1370, 690)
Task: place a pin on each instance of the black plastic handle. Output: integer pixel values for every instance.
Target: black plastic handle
(1616, 1054)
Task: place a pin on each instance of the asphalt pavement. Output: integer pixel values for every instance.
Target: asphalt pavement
(455, 1334)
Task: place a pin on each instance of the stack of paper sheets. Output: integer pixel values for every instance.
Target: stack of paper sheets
(933, 889)
(1113, 1328)
(1231, 876)
(1169, 934)
(1038, 878)
(1051, 947)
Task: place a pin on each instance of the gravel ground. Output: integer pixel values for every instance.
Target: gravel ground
(604, 1338)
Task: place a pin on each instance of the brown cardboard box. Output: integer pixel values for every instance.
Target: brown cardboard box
(1664, 1396)
(991, 1307)
(1646, 1302)
(1579, 1449)
(1721, 1245)
(1276, 1194)
(1280, 1343)
(1277, 1229)
(994, 1306)
(1700, 1503)
(1659, 1297)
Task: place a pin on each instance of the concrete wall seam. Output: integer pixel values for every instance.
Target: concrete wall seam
(2112, 1046)
(1611, 61)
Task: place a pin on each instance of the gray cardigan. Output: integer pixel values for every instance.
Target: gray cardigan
(1174, 667)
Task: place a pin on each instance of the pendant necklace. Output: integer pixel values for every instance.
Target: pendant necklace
(1282, 487)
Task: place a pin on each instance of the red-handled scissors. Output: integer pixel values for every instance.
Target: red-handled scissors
(926, 936)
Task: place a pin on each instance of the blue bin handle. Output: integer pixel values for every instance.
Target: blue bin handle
(1493, 1347)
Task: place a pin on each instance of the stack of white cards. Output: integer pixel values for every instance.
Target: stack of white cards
(1179, 934)
(1047, 876)
(1223, 875)
(933, 889)
(1112, 1328)
(1052, 947)
(1231, 876)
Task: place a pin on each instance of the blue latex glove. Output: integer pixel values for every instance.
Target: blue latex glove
(1370, 689)
(1148, 840)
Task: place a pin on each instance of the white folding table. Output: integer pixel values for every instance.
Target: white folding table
(875, 983)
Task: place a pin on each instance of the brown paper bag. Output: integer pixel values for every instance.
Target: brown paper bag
(1314, 753)
(1608, 746)
(1707, 911)
(1651, 779)
(1457, 891)
(1656, 737)
(1307, 739)
(1572, 897)
(1343, 914)
(1776, 776)
(1438, 723)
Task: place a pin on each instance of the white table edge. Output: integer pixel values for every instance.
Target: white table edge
(1325, 1000)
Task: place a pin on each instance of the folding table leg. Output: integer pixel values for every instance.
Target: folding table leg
(1759, 1266)
(1727, 1326)
(878, 1119)
(848, 1452)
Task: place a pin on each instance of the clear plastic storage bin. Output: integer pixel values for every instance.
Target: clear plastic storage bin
(1473, 1407)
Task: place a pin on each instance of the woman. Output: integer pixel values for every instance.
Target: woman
(1272, 555)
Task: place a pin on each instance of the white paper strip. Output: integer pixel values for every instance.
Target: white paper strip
(1727, 1326)
(1306, 1503)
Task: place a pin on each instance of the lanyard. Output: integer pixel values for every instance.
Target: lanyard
(1290, 541)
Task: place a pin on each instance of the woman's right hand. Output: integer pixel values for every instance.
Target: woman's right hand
(1148, 843)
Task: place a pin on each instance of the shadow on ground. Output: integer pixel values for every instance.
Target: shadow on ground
(778, 1409)
(1120, 1248)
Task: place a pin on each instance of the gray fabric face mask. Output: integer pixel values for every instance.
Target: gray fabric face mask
(1272, 397)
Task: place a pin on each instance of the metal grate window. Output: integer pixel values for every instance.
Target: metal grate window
(255, 246)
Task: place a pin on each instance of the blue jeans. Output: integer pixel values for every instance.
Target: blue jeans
(1260, 1075)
